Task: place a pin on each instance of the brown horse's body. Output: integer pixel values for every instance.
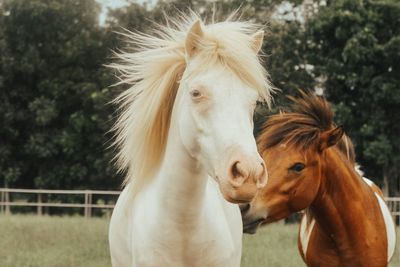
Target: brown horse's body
(311, 166)
(345, 222)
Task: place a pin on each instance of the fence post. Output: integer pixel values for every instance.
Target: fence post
(86, 204)
(39, 207)
(7, 200)
(2, 200)
(90, 204)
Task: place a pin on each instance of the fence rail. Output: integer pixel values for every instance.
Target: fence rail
(6, 203)
(394, 207)
(88, 205)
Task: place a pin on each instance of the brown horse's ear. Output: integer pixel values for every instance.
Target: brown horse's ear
(330, 138)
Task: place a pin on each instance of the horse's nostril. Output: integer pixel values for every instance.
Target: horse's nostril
(237, 174)
(262, 177)
(236, 170)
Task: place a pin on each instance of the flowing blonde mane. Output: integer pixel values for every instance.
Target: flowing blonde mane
(153, 72)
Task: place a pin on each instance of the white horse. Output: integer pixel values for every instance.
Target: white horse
(185, 140)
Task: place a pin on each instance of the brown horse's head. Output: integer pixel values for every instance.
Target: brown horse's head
(292, 144)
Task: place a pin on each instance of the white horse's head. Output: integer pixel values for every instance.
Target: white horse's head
(216, 115)
(211, 76)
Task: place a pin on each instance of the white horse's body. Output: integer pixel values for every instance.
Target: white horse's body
(179, 219)
(177, 213)
(149, 235)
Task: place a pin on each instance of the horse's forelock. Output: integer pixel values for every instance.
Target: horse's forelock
(300, 125)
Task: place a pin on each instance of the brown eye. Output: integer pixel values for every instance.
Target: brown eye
(297, 167)
(195, 94)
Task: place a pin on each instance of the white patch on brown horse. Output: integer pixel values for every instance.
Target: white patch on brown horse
(306, 228)
(387, 217)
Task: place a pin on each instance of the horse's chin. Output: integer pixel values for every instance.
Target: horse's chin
(250, 231)
(237, 195)
(252, 227)
(236, 199)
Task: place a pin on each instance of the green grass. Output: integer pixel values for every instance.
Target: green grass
(275, 245)
(30, 241)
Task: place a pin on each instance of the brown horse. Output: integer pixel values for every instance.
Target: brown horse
(311, 166)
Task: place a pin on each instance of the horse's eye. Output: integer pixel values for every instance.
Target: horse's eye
(195, 93)
(297, 167)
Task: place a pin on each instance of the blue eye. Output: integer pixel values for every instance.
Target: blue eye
(297, 167)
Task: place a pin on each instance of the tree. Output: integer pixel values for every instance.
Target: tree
(355, 46)
(53, 89)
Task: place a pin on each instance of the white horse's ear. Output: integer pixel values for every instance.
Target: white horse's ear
(193, 37)
(257, 41)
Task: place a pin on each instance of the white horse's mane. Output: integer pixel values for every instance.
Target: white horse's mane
(153, 72)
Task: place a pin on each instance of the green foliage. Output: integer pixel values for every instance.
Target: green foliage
(54, 90)
(355, 46)
(54, 93)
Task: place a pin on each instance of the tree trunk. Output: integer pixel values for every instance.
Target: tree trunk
(385, 189)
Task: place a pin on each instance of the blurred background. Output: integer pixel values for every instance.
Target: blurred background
(55, 91)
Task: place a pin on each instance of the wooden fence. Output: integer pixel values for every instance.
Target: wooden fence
(6, 201)
(394, 206)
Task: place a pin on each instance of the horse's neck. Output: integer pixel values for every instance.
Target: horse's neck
(344, 206)
(181, 183)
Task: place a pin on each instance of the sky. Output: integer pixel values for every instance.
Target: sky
(106, 4)
(284, 11)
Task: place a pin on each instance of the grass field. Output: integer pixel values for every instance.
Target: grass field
(30, 241)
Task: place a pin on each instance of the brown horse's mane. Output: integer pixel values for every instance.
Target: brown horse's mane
(299, 125)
